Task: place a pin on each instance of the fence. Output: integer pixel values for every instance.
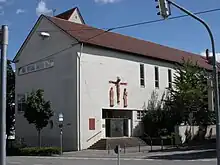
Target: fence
(153, 144)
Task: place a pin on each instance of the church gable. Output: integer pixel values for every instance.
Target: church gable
(42, 42)
(72, 15)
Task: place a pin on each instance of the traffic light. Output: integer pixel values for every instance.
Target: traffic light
(164, 8)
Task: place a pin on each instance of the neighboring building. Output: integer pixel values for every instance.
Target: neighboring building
(101, 81)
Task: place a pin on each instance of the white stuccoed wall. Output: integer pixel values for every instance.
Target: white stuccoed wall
(99, 66)
(58, 82)
(75, 17)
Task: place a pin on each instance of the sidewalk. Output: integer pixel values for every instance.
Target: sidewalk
(144, 154)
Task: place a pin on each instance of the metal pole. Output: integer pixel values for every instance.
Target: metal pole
(61, 141)
(4, 45)
(118, 161)
(215, 73)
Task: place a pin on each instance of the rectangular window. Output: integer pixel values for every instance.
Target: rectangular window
(169, 78)
(140, 114)
(156, 77)
(142, 77)
(91, 124)
(21, 102)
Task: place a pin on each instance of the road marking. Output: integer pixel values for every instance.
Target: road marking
(124, 159)
(14, 162)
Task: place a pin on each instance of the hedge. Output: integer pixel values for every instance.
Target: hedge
(37, 151)
(34, 151)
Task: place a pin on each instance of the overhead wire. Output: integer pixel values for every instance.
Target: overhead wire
(67, 48)
(116, 28)
(140, 23)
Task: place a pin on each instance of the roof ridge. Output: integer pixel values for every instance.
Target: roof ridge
(130, 37)
(125, 43)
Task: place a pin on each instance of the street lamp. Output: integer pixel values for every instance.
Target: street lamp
(60, 119)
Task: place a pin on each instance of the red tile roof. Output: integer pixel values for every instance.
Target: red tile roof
(115, 41)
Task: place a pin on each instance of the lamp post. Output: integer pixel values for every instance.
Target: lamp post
(60, 119)
(3, 79)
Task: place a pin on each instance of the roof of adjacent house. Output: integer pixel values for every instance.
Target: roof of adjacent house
(115, 41)
(67, 14)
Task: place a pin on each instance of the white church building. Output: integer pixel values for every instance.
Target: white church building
(101, 81)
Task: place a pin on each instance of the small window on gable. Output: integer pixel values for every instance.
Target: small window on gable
(21, 102)
(142, 77)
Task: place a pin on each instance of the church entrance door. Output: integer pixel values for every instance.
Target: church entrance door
(116, 127)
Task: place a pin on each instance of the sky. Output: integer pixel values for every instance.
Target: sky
(184, 33)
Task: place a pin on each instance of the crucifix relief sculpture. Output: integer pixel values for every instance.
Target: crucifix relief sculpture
(125, 98)
(117, 84)
(111, 97)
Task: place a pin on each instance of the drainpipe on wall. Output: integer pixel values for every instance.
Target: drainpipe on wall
(79, 100)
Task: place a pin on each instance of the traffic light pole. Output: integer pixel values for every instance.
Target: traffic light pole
(118, 156)
(4, 44)
(215, 76)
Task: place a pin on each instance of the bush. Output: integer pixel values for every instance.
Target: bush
(36, 151)
(13, 146)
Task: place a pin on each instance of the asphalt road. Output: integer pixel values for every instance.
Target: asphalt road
(101, 161)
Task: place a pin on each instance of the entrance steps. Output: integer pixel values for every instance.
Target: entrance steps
(110, 143)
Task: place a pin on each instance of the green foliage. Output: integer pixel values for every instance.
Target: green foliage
(33, 151)
(10, 108)
(38, 111)
(160, 119)
(189, 94)
(36, 151)
(14, 146)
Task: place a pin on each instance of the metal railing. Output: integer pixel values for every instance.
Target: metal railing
(153, 144)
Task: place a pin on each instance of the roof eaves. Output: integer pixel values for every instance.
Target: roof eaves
(48, 18)
(145, 56)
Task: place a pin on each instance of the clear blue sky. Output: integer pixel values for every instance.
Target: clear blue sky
(184, 33)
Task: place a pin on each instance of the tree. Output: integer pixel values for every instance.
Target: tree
(160, 119)
(10, 102)
(190, 93)
(38, 111)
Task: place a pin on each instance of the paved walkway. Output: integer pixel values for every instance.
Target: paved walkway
(145, 154)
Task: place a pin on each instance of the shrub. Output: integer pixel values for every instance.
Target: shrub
(36, 151)
(13, 146)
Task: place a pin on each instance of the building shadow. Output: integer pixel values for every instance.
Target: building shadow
(208, 154)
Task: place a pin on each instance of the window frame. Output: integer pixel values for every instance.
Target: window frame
(21, 102)
(156, 77)
(142, 75)
(170, 78)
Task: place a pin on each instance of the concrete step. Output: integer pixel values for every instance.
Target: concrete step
(110, 143)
